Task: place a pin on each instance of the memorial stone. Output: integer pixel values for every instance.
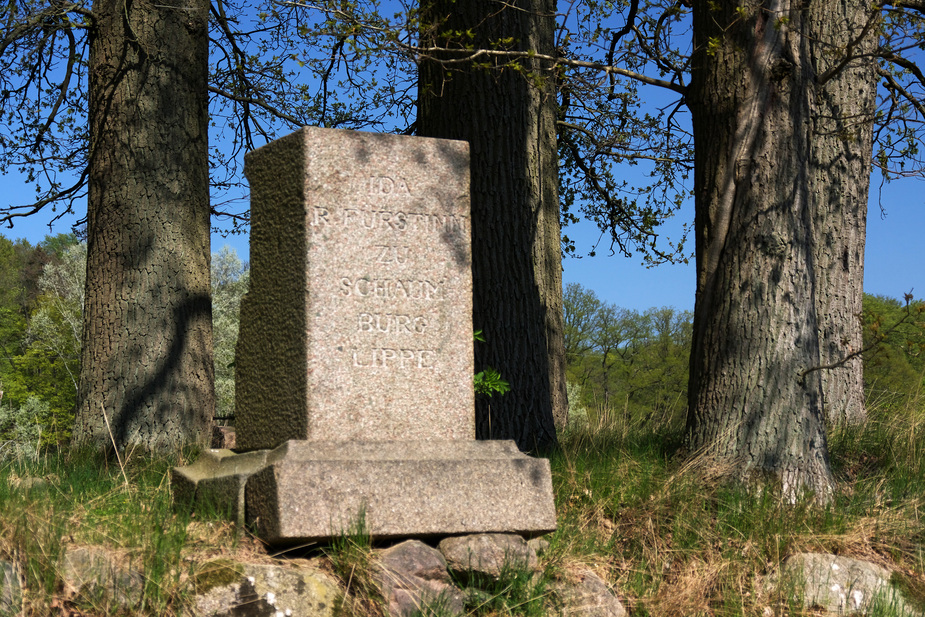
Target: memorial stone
(358, 322)
(354, 361)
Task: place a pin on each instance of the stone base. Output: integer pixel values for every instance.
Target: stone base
(313, 491)
(216, 480)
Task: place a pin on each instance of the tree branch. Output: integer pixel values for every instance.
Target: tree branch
(627, 28)
(897, 87)
(465, 56)
(879, 339)
(915, 5)
(6, 218)
(848, 56)
(258, 102)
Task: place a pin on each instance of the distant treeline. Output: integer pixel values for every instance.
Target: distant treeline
(619, 361)
(623, 361)
(41, 321)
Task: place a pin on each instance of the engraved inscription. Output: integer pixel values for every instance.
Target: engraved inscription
(398, 220)
(365, 287)
(387, 185)
(387, 323)
(375, 219)
(320, 216)
(392, 254)
(383, 216)
(384, 357)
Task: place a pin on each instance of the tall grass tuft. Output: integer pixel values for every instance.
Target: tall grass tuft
(59, 501)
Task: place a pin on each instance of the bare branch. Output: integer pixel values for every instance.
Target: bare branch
(897, 87)
(879, 339)
(849, 55)
(466, 56)
(906, 64)
(626, 29)
(62, 89)
(275, 112)
(6, 217)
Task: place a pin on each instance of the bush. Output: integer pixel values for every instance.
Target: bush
(21, 429)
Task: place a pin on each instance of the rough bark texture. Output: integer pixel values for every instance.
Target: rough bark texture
(147, 343)
(755, 326)
(839, 180)
(508, 118)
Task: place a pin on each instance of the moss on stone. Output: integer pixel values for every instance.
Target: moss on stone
(912, 590)
(217, 573)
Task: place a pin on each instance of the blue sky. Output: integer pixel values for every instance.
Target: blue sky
(895, 260)
(894, 263)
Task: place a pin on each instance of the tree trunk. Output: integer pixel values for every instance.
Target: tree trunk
(839, 179)
(147, 374)
(753, 409)
(508, 117)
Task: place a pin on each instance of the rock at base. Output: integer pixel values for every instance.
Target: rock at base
(10, 589)
(98, 575)
(312, 491)
(839, 585)
(413, 578)
(487, 554)
(588, 596)
(234, 589)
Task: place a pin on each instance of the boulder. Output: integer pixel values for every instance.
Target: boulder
(838, 585)
(224, 588)
(487, 554)
(10, 589)
(539, 545)
(586, 595)
(101, 576)
(412, 576)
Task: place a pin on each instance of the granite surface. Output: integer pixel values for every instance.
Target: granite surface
(316, 490)
(358, 322)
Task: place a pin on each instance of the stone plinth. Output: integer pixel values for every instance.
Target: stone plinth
(217, 478)
(358, 322)
(315, 490)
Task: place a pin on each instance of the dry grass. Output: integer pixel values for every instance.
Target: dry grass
(676, 538)
(671, 535)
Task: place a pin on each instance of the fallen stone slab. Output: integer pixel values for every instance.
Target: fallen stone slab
(224, 588)
(311, 491)
(217, 479)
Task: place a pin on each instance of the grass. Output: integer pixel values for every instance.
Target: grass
(516, 591)
(673, 538)
(351, 557)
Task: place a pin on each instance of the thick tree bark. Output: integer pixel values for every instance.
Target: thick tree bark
(508, 118)
(751, 407)
(839, 179)
(147, 373)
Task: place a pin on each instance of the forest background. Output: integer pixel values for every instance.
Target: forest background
(623, 364)
(655, 300)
